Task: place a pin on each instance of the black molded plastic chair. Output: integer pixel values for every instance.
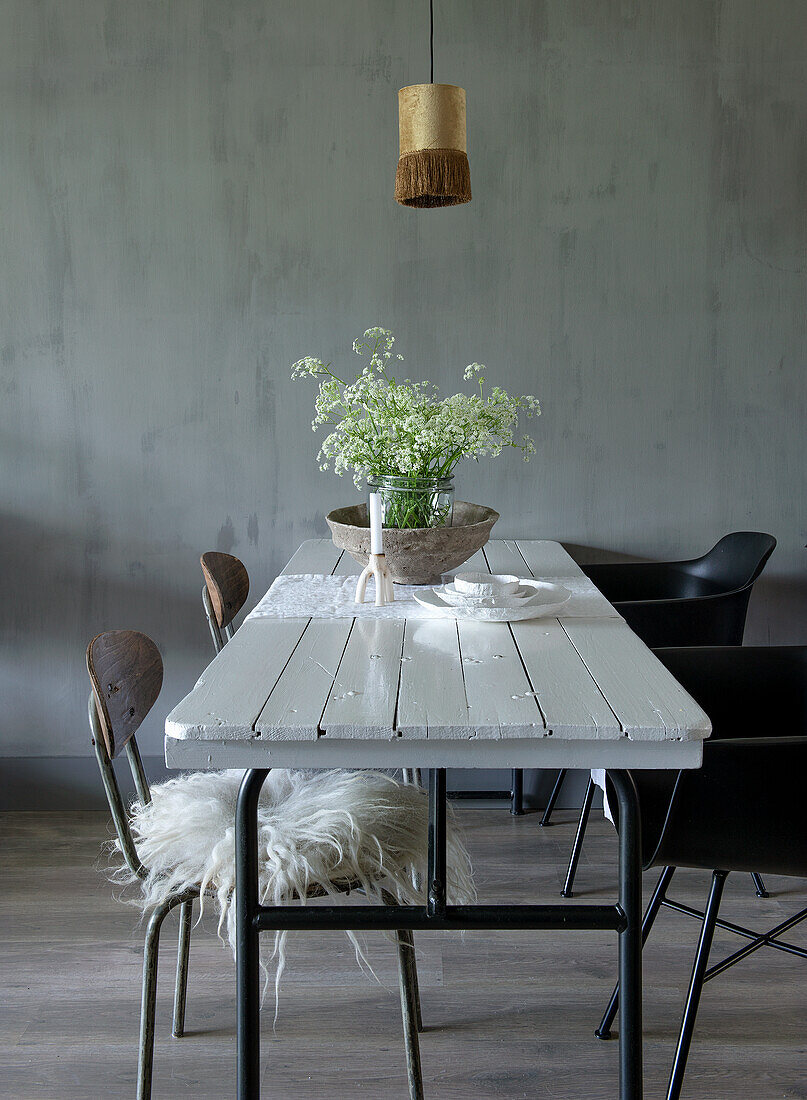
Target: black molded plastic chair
(743, 810)
(682, 603)
(677, 603)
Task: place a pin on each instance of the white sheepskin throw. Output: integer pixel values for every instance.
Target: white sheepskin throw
(316, 830)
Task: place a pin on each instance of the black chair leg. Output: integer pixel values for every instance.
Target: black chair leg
(550, 806)
(577, 847)
(410, 939)
(517, 792)
(656, 901)
(759, 885)
(696, 985)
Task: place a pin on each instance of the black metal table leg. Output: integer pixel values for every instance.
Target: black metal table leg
(517, 792)
(630, 938)
(437, 843)
(252, 918)
(247, 936)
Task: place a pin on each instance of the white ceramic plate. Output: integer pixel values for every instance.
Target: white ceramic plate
(547, 600)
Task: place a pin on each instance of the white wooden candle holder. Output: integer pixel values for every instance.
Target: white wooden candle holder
(377, 568)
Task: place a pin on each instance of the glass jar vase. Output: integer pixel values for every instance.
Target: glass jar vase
(414, 501)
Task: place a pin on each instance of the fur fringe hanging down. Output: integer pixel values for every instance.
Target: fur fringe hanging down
(318, 833)
(433, 177)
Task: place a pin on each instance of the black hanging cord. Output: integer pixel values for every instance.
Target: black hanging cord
(431, 39)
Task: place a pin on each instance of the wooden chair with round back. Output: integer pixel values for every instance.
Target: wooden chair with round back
(224, 593)
(126, 673)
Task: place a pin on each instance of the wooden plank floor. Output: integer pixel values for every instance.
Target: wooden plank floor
(507, 1014)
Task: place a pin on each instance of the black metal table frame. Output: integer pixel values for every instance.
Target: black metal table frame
(252, 918)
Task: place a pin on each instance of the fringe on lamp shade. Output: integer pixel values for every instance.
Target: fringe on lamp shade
(433, 167)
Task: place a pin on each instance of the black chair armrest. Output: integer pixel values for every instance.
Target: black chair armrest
(646, 580)
(708, 620)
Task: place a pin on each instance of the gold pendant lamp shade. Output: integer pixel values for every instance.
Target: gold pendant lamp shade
(433, 167)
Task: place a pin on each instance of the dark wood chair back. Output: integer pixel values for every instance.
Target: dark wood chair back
(126, 673)
(225, 593)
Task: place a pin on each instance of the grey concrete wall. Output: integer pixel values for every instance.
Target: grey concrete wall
(195, 194)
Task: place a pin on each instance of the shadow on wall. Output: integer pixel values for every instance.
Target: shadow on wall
(588, 555)
(48, 783)
(64, 590)
(71, 584)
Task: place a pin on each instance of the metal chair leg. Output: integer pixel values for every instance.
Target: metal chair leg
(410, 936)
(696, 985)
(183, 951)
(407, 977)
(517, 792)
(550, 806)
(656, 902)
(148, 1001)
(759, 885)
(577, 847)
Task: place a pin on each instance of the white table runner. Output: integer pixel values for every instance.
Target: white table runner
(322, 596)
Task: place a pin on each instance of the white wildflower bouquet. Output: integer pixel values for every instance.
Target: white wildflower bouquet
(386, 427)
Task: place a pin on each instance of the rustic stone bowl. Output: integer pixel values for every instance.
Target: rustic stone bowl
(415, 555)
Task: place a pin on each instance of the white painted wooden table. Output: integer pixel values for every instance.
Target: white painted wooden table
(546, 693)
(581, 691)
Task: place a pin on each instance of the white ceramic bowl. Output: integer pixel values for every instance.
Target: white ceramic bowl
(458, 598)
(486, 584)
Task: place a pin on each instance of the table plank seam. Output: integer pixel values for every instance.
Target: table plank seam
(462, 673)
(321, 731)
(257, 733)
(594, 678)
(395, 725)
(547, 730)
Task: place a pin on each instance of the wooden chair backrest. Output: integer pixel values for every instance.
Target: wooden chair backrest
(126, 672)
(227, 584)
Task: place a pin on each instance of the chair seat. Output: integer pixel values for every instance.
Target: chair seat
(320, 834)
(314, 892)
